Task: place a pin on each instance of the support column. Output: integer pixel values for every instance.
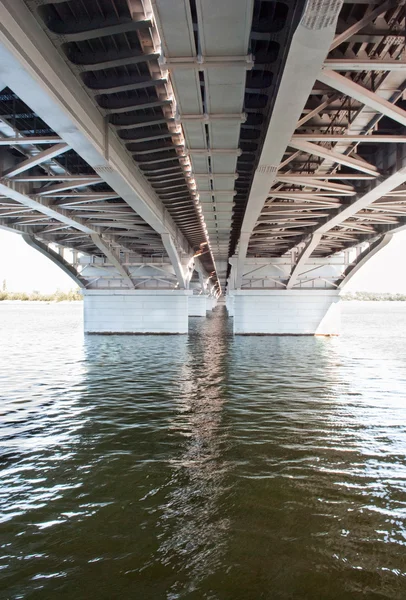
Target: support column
(136, 311)
(197, 306)
(287, 312)
(230, 304)
(211, 303)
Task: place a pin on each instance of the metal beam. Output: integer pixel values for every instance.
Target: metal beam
(98, 32)
(138, 83)
(84, 195)
(31, 66)
(218, 35)
(302, 258)
(361, 139)
(362, 202)
(377, 36)
(16, 192)
(61, 187)
(314, 183)
(36, 160)
(58, 177)
(119, 62)
(381, 189)
(321, 198)
(25, 141)
(358, 92)
(204, 277)
(335, 157)
(364, 257)
(370, 16)
(307, 52)
(55, 258)
(212, 117)
(201, 63)
(111, 256)
(317, 110)
(364, 64)
(172, 252)
(213, 151)
(332, 176)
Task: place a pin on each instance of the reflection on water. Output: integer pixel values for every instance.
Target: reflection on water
(203, 466)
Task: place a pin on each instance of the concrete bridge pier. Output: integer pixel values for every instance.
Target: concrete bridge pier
(136, 311)
(287, 312)
(283, 296)
(198, 305)
(230, 304)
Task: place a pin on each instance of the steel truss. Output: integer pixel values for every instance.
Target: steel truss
(341, 177)
(90, 177)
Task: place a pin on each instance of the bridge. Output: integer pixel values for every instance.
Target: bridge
(169, 153)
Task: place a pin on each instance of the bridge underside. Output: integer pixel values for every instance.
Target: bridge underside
(164, 153)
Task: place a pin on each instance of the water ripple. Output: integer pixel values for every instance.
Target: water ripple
(203, 466)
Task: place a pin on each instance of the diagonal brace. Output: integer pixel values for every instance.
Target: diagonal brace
(174, 257)
(105, 247)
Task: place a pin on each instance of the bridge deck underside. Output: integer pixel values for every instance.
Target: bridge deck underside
(349, 140)
(112, 47)
(77, 200)
(224, 95)
(188, 90)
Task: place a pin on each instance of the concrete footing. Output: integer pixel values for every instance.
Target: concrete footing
(136, 311)
(230, 305)
(211, 303)
(256, 312)
(286, 312)
(198, 306)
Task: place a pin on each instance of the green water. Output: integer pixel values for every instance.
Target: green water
(202, 466)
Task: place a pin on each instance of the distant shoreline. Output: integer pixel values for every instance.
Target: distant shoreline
(74, 296)
(373, 297)
(58, 296)
(18, 302)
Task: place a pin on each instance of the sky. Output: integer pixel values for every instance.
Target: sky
(25, 269)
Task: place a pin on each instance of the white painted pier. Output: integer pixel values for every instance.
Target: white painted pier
(294, 312)
(198, 305)
(132, 312)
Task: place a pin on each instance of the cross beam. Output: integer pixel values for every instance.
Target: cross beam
(314, 183)
(32, 67)
(36, 160)
(26, 141)
(364, 64)
(307, 52)
(171, 251)
(368, 18)
(358, 92)
(362, 139)
(342, 159)
(61, 187)
(17, 192)
(381, 189)
(104, 246)
(302, 258)
(323, 176)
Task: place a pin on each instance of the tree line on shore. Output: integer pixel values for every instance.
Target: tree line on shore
(374, 296)
(58, 296)
(75, 295)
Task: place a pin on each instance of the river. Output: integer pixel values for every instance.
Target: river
(204, 466)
